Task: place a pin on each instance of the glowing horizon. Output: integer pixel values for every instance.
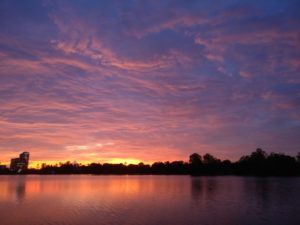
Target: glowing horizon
(148, 81)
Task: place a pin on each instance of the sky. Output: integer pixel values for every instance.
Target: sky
(130, 81)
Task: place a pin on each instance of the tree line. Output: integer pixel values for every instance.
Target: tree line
(258, 163)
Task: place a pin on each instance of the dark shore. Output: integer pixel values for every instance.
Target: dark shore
(258, 163)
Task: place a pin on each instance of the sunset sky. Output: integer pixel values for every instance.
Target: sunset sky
(130, 81)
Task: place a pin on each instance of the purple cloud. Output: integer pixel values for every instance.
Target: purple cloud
(160, 80)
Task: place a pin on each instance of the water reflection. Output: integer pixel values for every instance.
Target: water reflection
(203, 187)
(20, 189)
(197, 186)
(176, 200)
(263, 189)
(14, 190)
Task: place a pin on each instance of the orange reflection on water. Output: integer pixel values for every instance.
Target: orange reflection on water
(19, 187)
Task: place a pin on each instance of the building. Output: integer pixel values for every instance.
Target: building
(14, 164)
(24, 158)
(20, 164)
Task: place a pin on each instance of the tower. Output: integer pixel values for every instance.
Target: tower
(20, 164)
(24, 158)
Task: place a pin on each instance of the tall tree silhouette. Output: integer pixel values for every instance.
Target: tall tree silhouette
(195, 161)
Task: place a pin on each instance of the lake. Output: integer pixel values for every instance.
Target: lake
(150, 200)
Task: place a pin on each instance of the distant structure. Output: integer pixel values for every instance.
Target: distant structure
(20, 164)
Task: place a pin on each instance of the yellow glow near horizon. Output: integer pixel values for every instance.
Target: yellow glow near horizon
(38, 164)
(124, 161)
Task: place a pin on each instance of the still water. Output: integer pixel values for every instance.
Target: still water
(150, 200)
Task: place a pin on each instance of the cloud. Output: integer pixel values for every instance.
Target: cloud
(93, 82)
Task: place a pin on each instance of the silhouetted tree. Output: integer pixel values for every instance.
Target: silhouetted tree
(281, 164)
(158, 168)
(195, 161)
(211, 165)
(255, 164)
(259, 155)
(209, 159)
(298, 157)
